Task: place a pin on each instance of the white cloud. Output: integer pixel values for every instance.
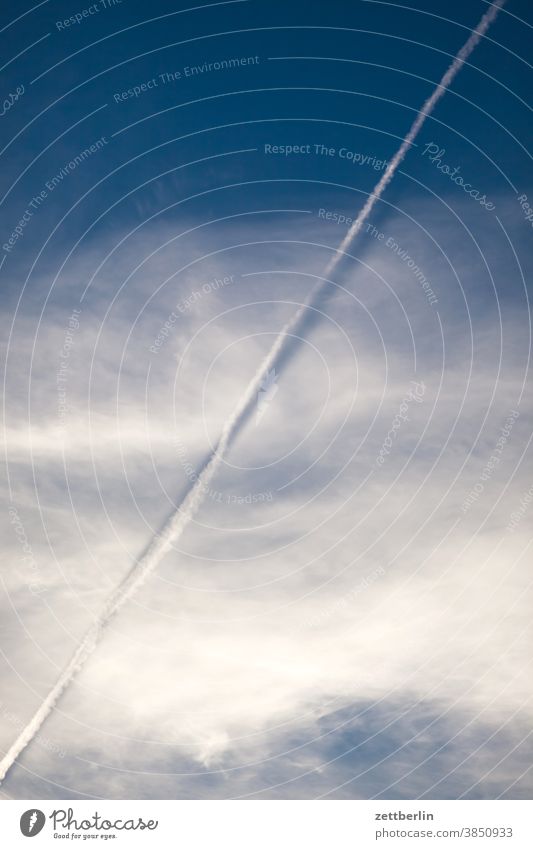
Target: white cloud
(215, 661)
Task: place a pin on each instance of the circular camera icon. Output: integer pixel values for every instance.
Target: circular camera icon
(32, 822)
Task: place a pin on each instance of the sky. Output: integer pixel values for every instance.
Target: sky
(348, 614)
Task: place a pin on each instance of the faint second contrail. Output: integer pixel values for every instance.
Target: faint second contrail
(186, 510)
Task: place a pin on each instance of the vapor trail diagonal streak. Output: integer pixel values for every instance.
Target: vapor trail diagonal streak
(186, 510)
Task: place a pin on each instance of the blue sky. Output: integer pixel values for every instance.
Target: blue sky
(329, 625)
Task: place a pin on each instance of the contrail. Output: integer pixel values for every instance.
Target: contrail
(186, 510)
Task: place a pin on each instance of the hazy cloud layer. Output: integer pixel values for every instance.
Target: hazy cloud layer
(318, 588)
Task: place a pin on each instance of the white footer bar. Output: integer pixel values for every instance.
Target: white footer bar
(269, 824)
